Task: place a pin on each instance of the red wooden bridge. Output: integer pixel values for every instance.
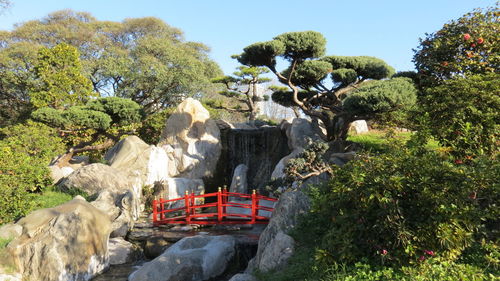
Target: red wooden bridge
(230, 208)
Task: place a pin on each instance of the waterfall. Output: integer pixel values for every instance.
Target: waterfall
(260, 149)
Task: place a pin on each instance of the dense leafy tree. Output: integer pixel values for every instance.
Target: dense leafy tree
(143, 59)
(59, 78)
(25, 150)
(242, 86)
(95, 126)
(469, 45)
(464, 114)
(16, 80)
(307, 86)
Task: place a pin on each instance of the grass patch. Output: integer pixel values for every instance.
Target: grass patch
(49, 199)
(378, 141)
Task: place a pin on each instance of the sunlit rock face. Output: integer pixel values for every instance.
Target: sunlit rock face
(67, 242)
(200, 257)
(192, 141)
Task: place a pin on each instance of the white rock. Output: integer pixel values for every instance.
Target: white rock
(359, 127)
(121, 251)
(192, 141)
(67, 242)
(239, 182)
(191, 258)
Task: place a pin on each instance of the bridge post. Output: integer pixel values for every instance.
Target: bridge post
(224, 199)
(219, 205)
(186, 203)
(155, 212)
(254, 205)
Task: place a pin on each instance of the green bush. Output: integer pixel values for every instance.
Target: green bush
(463, 114)
(397, 207)
(26, 151)
(153, 125)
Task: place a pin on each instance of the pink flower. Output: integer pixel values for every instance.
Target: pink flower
(430, 253)
(480, 40)
(422, 258)
(466, 36)
(383, 252)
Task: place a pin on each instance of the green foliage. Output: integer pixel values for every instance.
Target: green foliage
(143, 59)
(26, 151)
(345, 76)
(306, 164)
(122, 111)
(463, 114)
(309, 73)
(469, 45)
(60, 81)
(261, 54)
(397, 207)
(48, 199)
(16, 79)
(364, 66)
(302, 45)
(153, 125)
(242, 89)
(308, 90)
(381, 96)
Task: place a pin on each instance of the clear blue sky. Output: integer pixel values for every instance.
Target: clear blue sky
(387, 29)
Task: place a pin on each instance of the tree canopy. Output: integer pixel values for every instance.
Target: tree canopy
(102, 120)
(143, 59)
(242, 86)
(466, 46)
(59, 79)
(309, 88)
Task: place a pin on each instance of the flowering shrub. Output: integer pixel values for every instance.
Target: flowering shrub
(401, 208)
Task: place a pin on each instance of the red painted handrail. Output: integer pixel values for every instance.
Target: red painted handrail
(191, 212)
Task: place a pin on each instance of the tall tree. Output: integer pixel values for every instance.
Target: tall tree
(60, 81)
(339, 102)
(467, 46)
(143, 59)
(242, 86)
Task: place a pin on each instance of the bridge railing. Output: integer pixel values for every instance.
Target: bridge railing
(231, 208)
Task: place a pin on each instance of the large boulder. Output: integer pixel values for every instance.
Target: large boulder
(192, 141)
(95, 178)
(300, 133)
(239, 183)
(358, 127)
(275, 246)
(135, 158)
(192, 258)
(121, 251)
(122, 207)
(67, 242)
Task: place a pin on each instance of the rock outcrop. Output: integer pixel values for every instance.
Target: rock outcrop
(300, 133)
(95, 178)
(192, 141)
(275, 246)
(192, 258)
(239, 183)
(121, 251)
(67, 242)
(141, 162)
(122, 208)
